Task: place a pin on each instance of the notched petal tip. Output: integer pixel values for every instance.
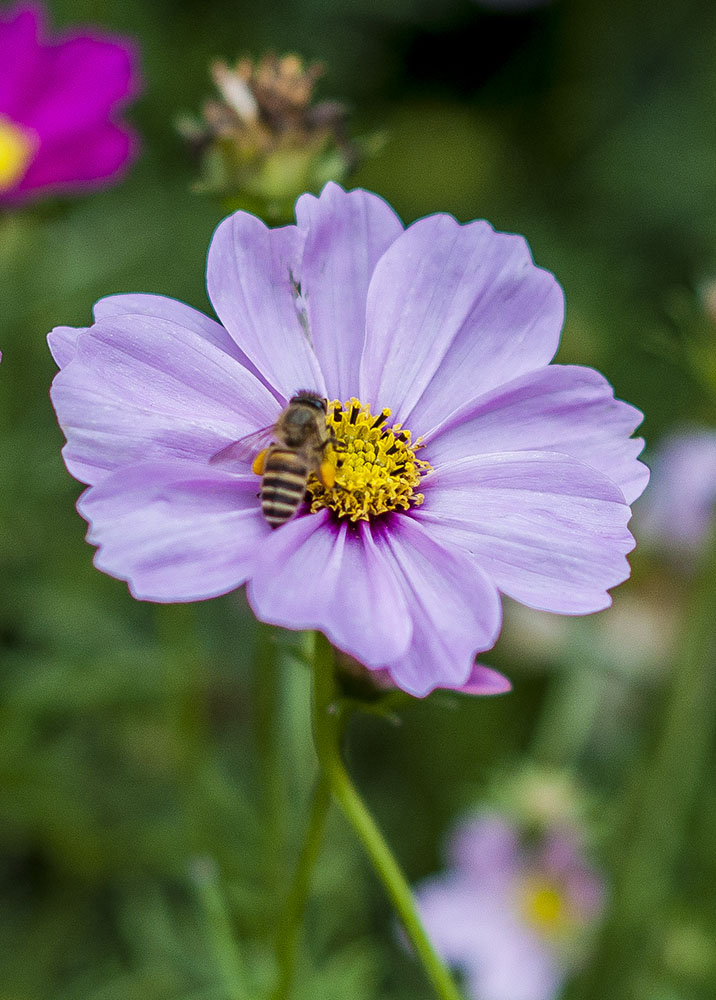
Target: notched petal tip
(454, 311)
(62, 342)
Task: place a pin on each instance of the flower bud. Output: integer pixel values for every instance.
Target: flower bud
(262, 141)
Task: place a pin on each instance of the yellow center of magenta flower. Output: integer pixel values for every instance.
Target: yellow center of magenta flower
(544, 906)
(376, 467)
(17, 148)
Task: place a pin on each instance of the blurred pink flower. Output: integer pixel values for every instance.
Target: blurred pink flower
(58, 103)
(677, 513)
(513, 918)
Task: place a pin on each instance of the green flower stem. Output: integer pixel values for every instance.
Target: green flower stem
(289, 927)
(220, 933)
(660, 801)
(330, 716)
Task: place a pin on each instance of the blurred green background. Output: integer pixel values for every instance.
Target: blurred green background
(134, 795)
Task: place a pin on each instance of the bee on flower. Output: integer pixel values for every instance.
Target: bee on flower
(466, 464)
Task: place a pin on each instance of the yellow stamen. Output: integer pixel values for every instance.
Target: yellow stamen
(17, 148)
(544, 906)
(376, 470)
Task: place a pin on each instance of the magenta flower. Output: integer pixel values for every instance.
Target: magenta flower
(514, 919)
(678, 511)
(58, 103)
(469, 465)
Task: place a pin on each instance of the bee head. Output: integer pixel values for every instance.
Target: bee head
(307, 397)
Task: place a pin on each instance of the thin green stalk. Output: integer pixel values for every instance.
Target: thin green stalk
(290, 925)
(329, 720)
(219, 931)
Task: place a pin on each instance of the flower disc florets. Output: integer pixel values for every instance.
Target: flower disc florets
(376, 467)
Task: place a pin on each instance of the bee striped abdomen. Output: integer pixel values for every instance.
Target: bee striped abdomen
(284, 484)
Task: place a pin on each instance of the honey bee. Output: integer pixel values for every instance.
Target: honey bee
(297, 445)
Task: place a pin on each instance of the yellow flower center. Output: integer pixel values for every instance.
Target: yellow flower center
(375, 463)
(544, 906)
(17, 148)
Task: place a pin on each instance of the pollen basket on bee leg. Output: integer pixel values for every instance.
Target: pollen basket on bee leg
(257, 466)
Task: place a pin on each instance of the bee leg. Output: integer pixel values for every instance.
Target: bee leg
(338, 446)
(258, 463)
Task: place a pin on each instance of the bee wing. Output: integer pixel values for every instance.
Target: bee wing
(245, 449)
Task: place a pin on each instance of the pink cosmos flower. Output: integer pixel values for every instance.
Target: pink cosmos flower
(468, 465)
(58, 101)
(515, 919)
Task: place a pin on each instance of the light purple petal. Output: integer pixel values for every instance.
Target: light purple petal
(172, 310)
(346, 234)
(447, 910)
(548, 530)
(252, 277)
(454, 607)
(177, 312)
(175, 531)
(484, 680)
(486, 849)
(317, 575)
(142, 387)
(454, 311)
(515, 965)
(19, 57)
(473, 914)
(563, 408)
(475, 929)
(62, 341)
